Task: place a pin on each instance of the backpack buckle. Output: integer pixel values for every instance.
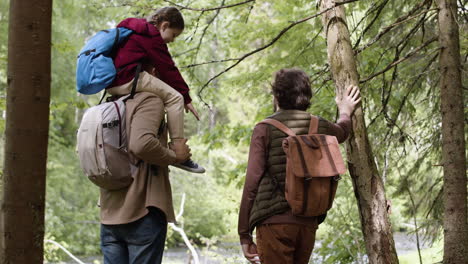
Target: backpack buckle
(89, 52)
(112, 124)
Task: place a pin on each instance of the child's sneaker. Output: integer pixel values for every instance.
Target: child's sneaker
(190, 166)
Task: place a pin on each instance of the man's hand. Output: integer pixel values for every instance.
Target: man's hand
(348, 102)
(189, 107)
(181, 150)
(250, 253)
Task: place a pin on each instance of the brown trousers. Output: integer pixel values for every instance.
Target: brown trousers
(285, 243)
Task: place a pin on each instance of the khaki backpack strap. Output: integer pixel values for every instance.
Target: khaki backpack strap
(314, 123)
(279, 126)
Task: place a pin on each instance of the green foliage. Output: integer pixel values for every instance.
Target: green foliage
(72, 214)
(53, 252)
(4, 5)
(340, 235)
(206, 206)
(429, 255)
(401, 109)
(211, 204)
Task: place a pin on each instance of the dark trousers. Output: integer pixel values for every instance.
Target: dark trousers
(139, 242)
(285, 243)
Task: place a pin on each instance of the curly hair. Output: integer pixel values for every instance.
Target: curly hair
(291, 89)
(170, 14)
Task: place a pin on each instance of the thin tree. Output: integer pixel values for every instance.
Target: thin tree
(453, 137)
(26, 132)
(367, 183)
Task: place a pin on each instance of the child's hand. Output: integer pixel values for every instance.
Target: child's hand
(189, 107)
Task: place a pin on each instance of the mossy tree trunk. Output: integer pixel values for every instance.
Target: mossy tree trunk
(26, 132)
(453, 137)
(367, 183)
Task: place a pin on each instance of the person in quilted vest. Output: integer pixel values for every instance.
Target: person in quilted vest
(281, 237)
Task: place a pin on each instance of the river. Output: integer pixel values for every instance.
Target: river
(230, 253)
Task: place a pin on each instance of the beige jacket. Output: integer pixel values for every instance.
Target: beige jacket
(150, 187)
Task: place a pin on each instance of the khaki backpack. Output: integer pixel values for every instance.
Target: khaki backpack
(313, 166)
(102, 142)
(102, 146)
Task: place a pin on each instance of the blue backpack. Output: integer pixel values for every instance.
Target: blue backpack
(95, 68)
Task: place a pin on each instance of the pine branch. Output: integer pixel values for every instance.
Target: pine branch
(434, 202)
(208, 62)
(319, 74)
(197, 24)
(250, 12)
(413, 84)
(205, 29)
(379, 11)
(276, 38)
(404, 42)
(394, 63)
(307, 47)
(398, 49)
(183, 53)
(390, 27)
(210, 8)
(369, 11)
(464, 11)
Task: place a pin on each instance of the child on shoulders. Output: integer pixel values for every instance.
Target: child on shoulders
(148, 45)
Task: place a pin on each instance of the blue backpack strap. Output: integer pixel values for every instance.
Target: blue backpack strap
(103, 96)
(115, 46)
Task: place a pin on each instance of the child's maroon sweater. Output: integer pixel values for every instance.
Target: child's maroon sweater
(147, 46)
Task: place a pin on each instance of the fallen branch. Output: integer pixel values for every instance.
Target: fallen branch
(182, 232)
(65, 250)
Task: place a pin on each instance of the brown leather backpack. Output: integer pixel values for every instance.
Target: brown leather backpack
(313, 166)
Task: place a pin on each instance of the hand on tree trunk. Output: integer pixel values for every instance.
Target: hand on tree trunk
(348, 102)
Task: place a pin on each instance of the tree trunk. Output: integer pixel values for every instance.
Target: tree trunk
(27, 124)
(367, 183)
(453, 137)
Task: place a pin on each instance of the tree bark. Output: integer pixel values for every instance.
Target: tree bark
(367, 183)
(27, 124)
(453, 137)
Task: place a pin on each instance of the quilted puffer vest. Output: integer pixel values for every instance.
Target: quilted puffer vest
(270, 198)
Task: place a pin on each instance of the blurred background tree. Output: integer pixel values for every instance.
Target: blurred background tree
(399, 79)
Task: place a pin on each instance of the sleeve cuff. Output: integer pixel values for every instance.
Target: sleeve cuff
(172, 154)
(246, 239)
(345, 116)
(187, 98)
